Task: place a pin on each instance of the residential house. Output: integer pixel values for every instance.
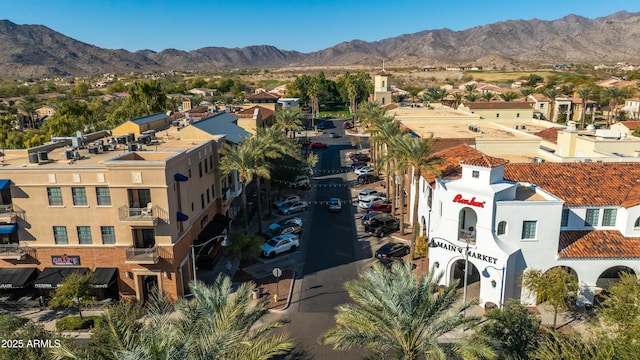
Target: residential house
(255, 117)
(499, 109)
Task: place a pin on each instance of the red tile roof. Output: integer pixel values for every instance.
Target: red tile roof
(631, 125)
(597, 244)
(263, 96)
(578, 184)
(550, 134)
(248, 112)
(451, 159)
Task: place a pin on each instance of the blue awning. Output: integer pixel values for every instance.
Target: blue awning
(180, 177)
(181, 216)
(8, 229)
(4, 184)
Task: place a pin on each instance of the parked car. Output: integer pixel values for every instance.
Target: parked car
(365, 170)
(371, 199)
(392, 250)
(284, 199)
(285, 226)
(367, 178)
(359, 157)
(384, 207)
(301, 181)
(293, 207)
(368, 218)
(280, 244)
(381, 227)
(369, 192)
(334, 135)
(318, 145)
(348, 125)
(335, 204)
(358, 164)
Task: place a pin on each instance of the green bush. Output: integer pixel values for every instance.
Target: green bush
(76, 323)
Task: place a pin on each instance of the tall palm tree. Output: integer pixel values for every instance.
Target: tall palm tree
(289, 119)
(526, 91)
(245, 159)
(386, 132)
(457, 99)
(508, 96)
(370, 113)
(418, 156)
(396, 314)
(273, 144)
(28, 104)
(552, 93)
(583, 93)
(218, 322)
(613, 95)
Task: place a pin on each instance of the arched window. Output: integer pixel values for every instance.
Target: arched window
(502, 227)
(637, 224)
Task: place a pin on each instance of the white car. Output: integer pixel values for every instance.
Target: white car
(365, 170)
(293, 207)
(285, 199)
(280, 244)
(371, 199)
(369, 192)
(335, 204)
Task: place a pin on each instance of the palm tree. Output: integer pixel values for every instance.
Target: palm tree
(273, 144)
(418, 155)
(399, 315)
(289, 119)
(386, 132)
(471, 96)
(583, 93)
(218, 322)
(370, 113)
(470, 88)
(552, 93)
(526, 91)
(487, 95)
(245, 159)
(457, 99)
(613, 95)
(509, 95)
(28, 104)
(438, 94)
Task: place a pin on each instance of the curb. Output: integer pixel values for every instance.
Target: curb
(286, 306)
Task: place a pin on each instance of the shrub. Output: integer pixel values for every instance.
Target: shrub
(76, 323)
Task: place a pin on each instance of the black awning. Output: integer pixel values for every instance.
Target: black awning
(17, 278)
(213, 229)
(222, 219)
(52, 277)
(104, 277)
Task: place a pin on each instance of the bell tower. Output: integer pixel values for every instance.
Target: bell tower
(382, 87)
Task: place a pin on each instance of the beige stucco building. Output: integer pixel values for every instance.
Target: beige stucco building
(126, 207)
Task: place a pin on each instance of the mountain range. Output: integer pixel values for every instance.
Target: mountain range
(36, 51)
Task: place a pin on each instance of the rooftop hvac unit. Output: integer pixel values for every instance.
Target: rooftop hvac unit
(122, 139)
(516, 127)
(132, 147)
(538, 160)
(33, 158)
(68, 154)
(43, 156)
(93, 149)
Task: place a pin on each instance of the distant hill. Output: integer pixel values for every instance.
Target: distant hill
(37, 51)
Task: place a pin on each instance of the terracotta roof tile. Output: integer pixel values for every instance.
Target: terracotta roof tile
(579, 184)
(451, 159)
(440, 144)
(631, 125)
(262, 96)
(550, 134)
(597, 244)
(485, 161)
(248, 112)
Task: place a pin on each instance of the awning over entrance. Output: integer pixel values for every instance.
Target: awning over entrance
(213, 228)
(8, 229)
(104, 277)
(4, 184)
(17, 278)
(222, 219)
(52, 277)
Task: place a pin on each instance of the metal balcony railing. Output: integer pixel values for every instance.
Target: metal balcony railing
(142, 255)
(11, 251)
(467, 236)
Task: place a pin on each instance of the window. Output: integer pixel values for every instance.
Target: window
(84, 235)
(609, 217)
(564, 221)
(541, 106)
(79, 195)
(202, 201)
(104, 196)
(206, 166)
(60, 235)
(529, 229)
(591, 219)
(55, 196)
(200, 169)
(637, 223)
(208, 196)
(475, 174)
(517, 115)
(498, 115)
(108, 234)
(502, 227)
(213, 191)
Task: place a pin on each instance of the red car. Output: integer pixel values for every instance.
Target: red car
(317, 145)
(380, 207)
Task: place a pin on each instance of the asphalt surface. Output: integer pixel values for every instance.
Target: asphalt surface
(332, 253)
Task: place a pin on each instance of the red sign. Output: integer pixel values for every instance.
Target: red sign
(471, 202)
(65, 260)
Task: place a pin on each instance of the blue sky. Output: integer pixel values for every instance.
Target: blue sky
(302, 25)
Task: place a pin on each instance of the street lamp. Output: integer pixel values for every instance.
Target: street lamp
(432, 244)
(485, 273)
(224, 242)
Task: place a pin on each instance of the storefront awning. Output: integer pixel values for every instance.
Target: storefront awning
(181, 217)
(17, 278)
(4, 184)
(8, 229)
(104, 277)
(52, 277)
(222, 219)
(213, 229)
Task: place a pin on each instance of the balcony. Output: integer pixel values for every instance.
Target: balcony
(467, 235)
(142, 255)
(7, 214)
(142, 216)
(12, 252)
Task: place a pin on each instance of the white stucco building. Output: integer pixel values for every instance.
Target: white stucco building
(583, 217)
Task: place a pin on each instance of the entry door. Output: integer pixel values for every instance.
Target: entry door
(149, 286)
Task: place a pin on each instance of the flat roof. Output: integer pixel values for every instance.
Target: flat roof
(166, 145)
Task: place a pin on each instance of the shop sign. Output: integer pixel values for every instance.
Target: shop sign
(461, 250)
(471, 202)
(65, 260)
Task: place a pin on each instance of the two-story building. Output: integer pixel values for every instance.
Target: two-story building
(506, 218)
